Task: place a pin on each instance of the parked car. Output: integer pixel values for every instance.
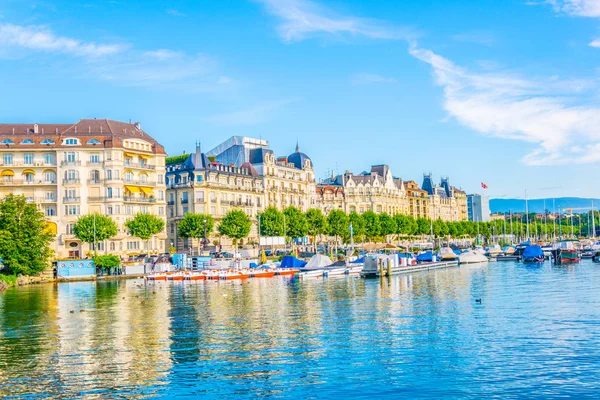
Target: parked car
(221, 254)
(268, 253)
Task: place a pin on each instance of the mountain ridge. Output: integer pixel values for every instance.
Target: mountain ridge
(537, 205)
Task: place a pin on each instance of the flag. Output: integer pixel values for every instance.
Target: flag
(483, 185)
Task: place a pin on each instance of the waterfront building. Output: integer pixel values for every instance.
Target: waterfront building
(445, 202)
(378, 191)
(197, 184)
(479, 208)
(288, 181)
(95, 165)
(418, 200)
(330, 197)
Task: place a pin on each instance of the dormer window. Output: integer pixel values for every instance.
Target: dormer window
(27, 141)
(47, 141)
(7, 141)
(93, 141)
(71, 142)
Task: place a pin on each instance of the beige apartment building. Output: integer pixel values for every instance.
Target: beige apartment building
(196, 184)
(94, 165)
(376, 191)
(445, 202)
(418, 200)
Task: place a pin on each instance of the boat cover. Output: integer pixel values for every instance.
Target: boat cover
(358, 261)
(427, 256)
(293, 262)
(533, 252)
(318, 261)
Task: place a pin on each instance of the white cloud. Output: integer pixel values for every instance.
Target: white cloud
(544, 112)
(580, 8)
(39, 38)
(302, 19)
(176, 13)
(257, 114)
(365, 78)
(477, 37)
(595, 43)
(163, 54)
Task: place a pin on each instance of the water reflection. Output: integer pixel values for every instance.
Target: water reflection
(410, 335)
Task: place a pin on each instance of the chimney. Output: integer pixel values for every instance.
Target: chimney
(35, 128)
(198, 156)
(138, 126)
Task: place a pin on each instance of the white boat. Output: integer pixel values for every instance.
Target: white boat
(472, 257)
(494, 250)
(446, 253)
(316, 267)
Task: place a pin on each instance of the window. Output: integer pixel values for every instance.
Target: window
(47, 141)
(27, 141)
(70, 157)
(143, 178)
(109, 192)
(7, 141)
(172, 228)
(171, 212)
(161, 211)
(161, 178)
(28, 158)
(71, 175)
(117, 209)
(72, 210)
(132, 245)
(200, 196)
(93, 141)
(200, 209)
(198, 178)
(70, 193)
(109, 210)
(94, 176)
(94, 159)
(144, 209)
(185, 210)
(49, 158)
(7, 158)
(28, 178)
(128, 176)
(171, 197)
(50, 196)
(112, 246)
(50, 211)
(71, 142)
(69, 229)
(213, 210)
(161, 195)
(184, 198)
(108, 175)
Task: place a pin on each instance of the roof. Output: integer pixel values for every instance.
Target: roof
(108, 132)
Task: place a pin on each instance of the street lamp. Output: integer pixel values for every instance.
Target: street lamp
(204, 242)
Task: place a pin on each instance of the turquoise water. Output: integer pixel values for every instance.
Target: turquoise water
(536, 333)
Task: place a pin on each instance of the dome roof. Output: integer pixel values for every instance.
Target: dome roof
(298, 159)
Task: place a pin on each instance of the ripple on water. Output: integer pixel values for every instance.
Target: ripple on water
(534, 334)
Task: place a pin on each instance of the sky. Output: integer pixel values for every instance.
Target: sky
(502, 92)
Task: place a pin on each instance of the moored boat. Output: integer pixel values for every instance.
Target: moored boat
(566, 251)
(472, 257)
(533, 254)
(446, 254)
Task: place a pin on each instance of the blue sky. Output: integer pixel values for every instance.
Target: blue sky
(504, 92)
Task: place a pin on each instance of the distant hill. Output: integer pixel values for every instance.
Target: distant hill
(537, 205)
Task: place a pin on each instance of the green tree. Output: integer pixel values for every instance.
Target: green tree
(423, 226)
(236, 225)
(94, 228)
(358, 225)
(144, 226)
(24, 237)
(192, 226)
(387, 224)
(317, 223)
(107, 261)
(271, 222)
(440, 228)
(296, 224)
(338, 223)
(372, 226)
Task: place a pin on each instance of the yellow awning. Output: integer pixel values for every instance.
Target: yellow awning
(129, 154)
(29, 171)
(132, 189)
(8, 172)
(147, 190)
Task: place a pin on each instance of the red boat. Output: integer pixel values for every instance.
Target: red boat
(263, 274)
(287, 271)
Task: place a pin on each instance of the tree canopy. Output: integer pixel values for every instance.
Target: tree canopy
(271, 222)
(338, 223)
(296, 224)
(96, 227)
(236, 225)
(24, 237)
(144, 226)
(317, 222)
(192, 225)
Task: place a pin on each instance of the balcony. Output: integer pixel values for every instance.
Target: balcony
(94, 163)
(70, 162)
(94, 199)
(171, 202)
(70, 181)
(133, 199)
(187, 184)
(200, 200)
(184, 201)
(138, 182)
(46, 200)
(19, 182)
(94, 181)
(71, 199)
(112, 179)
(132, 164)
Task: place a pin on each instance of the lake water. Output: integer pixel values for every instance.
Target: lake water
(536, 333)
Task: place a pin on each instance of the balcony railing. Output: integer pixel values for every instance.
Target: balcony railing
(71, 199)
(71, 181)
(134, 199)
(138, 182)
(94, 181)
(94, 163)
(132, 164)
(171, 202)
(15, 182)
(184, 201)
(112, 179)
(200, 200)
(98, 198)
(70, 162)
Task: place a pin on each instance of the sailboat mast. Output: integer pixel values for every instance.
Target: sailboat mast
(527, 214)
(511, 227)
(593, 222)
(554, 220)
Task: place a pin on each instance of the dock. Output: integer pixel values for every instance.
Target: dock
(412, 268)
